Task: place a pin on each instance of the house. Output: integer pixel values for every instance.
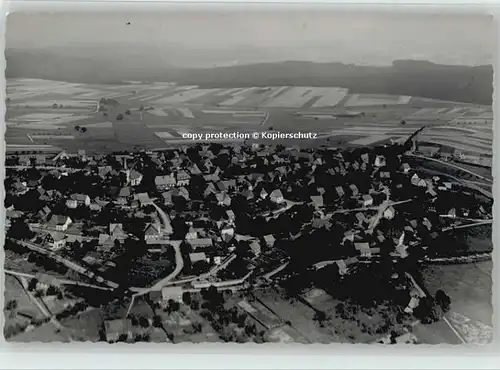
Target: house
(367, 200)
(379, 161)
(117, 329)
(183, 178)
(143, 199)
(417, 181)
(348, 235)
(56, 240)
(223, 199)
(406, 168)
(106, 241)
(276, 196)
(72, 203)
(172, 292)
(269, 239)
(263, 193)
(81, 199)
(385, 175)
(152, 232)
(340, 191)
(401, 251)
(317, 200)
(191, 234)
(389, 213)
(360, 217)
(217, 260)
(452, 213)
(200, 243)
(197, 256)
(354, 190)
(116, 231)
(135, 178)
(363, 248)
(95, 207)
(342, 267)
(431, 192)
(231, 216)
(227, 230)
(165, 182)
(427, 223)
(124, 192)
(44, 212)
(59, 223)
(414, 301)
(255, 247)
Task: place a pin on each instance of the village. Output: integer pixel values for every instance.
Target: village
(209, 230)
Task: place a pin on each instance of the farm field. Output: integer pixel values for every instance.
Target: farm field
(37, 109)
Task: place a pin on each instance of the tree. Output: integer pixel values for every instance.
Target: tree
(195, 305)
(186, 298)
(52, 290)
(11, 305)
(443, 300)
(143, 322)
(84, 129)
(127, 112)
(19, 230)
(157, 321)
(32, 284)
(119, 117)
(54, 106)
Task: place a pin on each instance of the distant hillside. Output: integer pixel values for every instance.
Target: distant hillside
(404, 77)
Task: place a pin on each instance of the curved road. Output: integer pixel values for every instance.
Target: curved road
(179, 264)
(450, 165)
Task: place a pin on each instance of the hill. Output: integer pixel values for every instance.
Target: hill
(404, 77)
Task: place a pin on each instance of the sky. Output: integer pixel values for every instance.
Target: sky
(327, 35)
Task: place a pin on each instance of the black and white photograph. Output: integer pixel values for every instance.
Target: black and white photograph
(249, 175)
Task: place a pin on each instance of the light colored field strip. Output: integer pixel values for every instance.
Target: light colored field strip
(294, 97)
(61, 137)
(185, 96)
(186, 112)
(276, 92)
(369, 140)
(244, 91)
(331, 98)
(232, 101)
(158, 113)
(163, 135)
(228, 91)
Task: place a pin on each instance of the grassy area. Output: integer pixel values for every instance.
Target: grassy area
(469, 287)
(17, 316)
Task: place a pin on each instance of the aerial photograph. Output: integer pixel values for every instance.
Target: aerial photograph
(262, 175)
